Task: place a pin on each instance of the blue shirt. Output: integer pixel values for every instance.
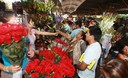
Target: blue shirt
(67, 28)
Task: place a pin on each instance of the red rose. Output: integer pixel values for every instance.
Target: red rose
(29, 67)
(48, 76)
(38, 69)
(48, 69)
(58, 40)
(4, 29)
(25, 31)
(34, 75)
(36, 61)
(41, 52)
(47, 66)
(18, 33)
(17, 38)
(7, 38)
(48, 54)
(32, 65)
(57, 74)
(2, 39)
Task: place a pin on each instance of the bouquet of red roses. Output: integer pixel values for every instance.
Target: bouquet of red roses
(13, 42)
(53, 63)
(62, 44)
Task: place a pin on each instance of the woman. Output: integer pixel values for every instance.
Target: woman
(123, 53)
(32, 35)
(7, 68)
(115, 68)
(79, 46)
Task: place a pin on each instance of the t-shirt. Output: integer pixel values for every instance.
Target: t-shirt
(91, 55)
(32, 39)
(67, 28)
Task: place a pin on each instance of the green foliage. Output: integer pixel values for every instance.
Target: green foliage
(15, 51)
(39, 11)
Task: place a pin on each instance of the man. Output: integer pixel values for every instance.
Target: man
(73, 33)
(86, 68)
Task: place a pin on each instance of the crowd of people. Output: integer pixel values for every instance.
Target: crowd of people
(85, 36)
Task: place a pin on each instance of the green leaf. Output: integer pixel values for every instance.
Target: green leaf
(6, 51)
(12, 56)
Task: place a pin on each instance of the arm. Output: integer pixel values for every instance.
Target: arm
(64, 34)
(86, 60)
(121, 56)
(2, 67)
(44, 33)
(82, 66)
(9, 68)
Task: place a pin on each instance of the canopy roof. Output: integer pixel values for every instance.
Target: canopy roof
(94, 7)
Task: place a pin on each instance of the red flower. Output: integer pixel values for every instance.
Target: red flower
(10, 32)
(46, 66)
(58, 40)
(48, 76)
(36, 61)
(7, 39)
(25, 31)
(50, 69)
(57, 74)
(38, 69)
(34, 75)
(47, 54)
(1, 39)
(118, 36)
(4, 29)
(32, 65)
(17, 38)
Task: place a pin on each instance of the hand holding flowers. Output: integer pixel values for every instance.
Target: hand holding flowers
(12, 68)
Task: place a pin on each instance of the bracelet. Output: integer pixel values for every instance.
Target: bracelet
(6, 69)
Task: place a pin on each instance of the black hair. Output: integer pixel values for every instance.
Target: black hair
(6, 15)
(83, 35)
(96, 32)
(2, 6)
(78, 23)
(122, 42)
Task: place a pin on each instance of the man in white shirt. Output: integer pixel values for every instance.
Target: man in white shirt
(86, 68)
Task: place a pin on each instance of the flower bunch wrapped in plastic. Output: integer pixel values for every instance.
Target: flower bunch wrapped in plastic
(62, 44)
(13, 42)
(53, 63)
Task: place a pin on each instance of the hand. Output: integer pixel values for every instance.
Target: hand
(31, 53)
(12, 68)
(56, 34)
(58, 31)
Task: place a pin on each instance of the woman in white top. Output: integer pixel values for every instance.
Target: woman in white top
(31, 35)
